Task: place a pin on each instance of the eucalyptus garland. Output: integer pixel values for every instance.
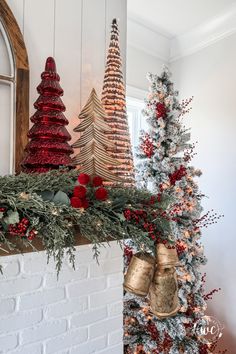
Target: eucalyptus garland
(40, 205)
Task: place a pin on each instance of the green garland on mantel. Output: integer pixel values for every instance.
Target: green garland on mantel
(39, 206)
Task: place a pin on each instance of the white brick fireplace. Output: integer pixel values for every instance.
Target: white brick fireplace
(81, 313)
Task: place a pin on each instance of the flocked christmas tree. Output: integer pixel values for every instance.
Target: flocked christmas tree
(93, 157)
(48, 147)
(165, 155)
(113, 100)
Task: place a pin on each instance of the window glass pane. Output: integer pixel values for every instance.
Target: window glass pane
(5, 60)
(6, 128)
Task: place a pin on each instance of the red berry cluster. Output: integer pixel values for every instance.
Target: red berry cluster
(79, 198)
(177, 175)
(143, 219)
(153, 331)
(147, 146)
(21, 228)
(2, 209)
(184, 106)
(128, 253)
(203, 349)
(161, 110)
(207, 219)
(180, 247)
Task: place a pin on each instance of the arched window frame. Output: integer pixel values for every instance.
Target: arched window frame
(20, 78)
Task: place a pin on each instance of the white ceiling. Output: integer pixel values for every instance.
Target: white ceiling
(176, 17)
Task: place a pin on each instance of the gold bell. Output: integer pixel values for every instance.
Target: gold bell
(139, 274)
(163, 293)
(166, 257)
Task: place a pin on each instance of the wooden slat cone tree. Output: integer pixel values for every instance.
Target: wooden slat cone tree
(93, 157)
(114, 102)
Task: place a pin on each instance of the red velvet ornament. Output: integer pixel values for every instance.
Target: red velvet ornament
(85, 203)
(101, 193)
(80, 191)
(76, 202)
(97, 181)
(160, 110)
(48, 148)
(83, 178)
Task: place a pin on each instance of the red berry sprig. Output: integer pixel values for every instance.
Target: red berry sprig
(177, 175)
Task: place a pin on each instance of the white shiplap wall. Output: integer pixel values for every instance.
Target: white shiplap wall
(76, 33)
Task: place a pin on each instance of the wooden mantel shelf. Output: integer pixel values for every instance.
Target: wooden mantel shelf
(37, 244)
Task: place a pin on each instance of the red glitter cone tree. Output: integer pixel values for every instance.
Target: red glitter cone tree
(48, 148)
(113, 100)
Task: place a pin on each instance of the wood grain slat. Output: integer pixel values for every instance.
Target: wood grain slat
(36, 243)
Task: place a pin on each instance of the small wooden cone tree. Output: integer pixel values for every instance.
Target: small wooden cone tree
(93, 157)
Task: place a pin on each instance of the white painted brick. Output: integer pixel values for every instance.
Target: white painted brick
(41, 298)
(109, 266)
(115, 250)
(115, 337)
(8, 342)
(29, 349)
(118, 349)
(20, 285)
(115, 279)
(37, 263)
(10, 269)
(115, 309)
(100, 328)
(44, 331)
(67, 340)
(89, 317)
(7, 306)
(86, 287)
(106, 297)
(91, 346)
(20, 320)
(65, 277)
(84, 255)
(68, 307)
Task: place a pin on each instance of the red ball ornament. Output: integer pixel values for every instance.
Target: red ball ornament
(80, 191)
(83, 178)
(85, 203)
(97, 181)
(101, 193)
(76, 202)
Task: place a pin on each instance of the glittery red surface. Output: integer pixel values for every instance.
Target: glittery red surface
(48, 147)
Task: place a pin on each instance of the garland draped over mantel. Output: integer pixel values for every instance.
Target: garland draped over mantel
(43, 205)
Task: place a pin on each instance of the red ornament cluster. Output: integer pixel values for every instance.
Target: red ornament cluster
(48, 148)
(161, 110)
(21, 229)
(177, 175)
(80, 193)
(147, 146)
